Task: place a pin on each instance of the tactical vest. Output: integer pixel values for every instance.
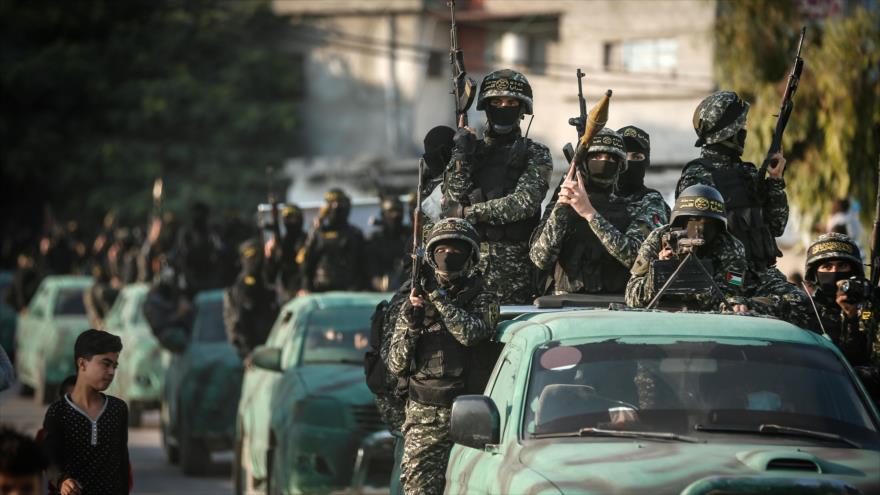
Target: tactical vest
(644, 191)
(496, 176)
(584, 265)
(745, 214)
(335, 269)
(443, 368)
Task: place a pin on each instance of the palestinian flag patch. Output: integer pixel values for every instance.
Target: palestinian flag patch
(734, 278)
(656, 220)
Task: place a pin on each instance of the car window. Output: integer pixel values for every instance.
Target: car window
(337, 335)
(675, 386)
(502, 389)
(208, 325)
(69, 302)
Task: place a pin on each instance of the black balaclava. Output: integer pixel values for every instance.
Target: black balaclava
(503, 120)
(827, 281)
(451, 266)
(633, 178)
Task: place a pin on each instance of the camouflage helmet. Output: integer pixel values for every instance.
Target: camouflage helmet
(609, 141)
(506, 82)
(457, 229)
(699, 201)
(339, 196)
(719, 117)
(832, 246)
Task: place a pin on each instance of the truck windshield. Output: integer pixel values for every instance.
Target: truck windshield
(337, 335)
(682, 386)
(70, 302)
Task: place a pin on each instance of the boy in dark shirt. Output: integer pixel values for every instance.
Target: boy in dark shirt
(86, 431)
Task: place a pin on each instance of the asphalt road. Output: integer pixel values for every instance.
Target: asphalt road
(152, 474)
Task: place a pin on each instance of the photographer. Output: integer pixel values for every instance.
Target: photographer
(698, 224)
(840, 292)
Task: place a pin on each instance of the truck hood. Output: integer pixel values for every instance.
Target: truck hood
(652, 467)
(343, 382)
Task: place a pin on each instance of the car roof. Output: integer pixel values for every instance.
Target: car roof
(63, 281)
(326, 300)
(628, 323)
(209, 295)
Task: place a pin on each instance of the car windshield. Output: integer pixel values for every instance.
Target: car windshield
(337, 335)
(681, 386)
(208, 326)
(70, 302)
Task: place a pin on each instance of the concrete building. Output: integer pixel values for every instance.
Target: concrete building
(377, 77)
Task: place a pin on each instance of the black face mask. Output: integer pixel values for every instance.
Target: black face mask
(828, 281)
(503, 119)
(602, 172)
(450, 262)
(293, 228)
(634, 177)
(337, 216)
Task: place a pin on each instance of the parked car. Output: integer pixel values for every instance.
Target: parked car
(202, 387)
(46, 333)
(642, 402)
(140, 377)
(320, 410)
(8, 317)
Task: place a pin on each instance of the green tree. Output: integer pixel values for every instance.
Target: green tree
(100, 97)
(833, 138)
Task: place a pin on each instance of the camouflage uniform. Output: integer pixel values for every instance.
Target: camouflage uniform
(460, 315)
(857, 338)
(726, 254)
(757, 208)
(499, 187)
(616, 231)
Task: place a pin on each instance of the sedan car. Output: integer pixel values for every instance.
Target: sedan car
(320, 410)
(202, 387)
(642, 402)
(141, 374)
(254, 411)
(46, 333)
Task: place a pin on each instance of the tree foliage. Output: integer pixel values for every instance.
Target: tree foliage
(101, 97)
(833, 138)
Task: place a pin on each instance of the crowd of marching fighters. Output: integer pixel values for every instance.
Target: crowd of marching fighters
(487, 242)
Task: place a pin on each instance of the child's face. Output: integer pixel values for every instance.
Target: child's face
(20, 484)
(98, 372)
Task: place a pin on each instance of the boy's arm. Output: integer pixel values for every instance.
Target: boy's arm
(53, 446)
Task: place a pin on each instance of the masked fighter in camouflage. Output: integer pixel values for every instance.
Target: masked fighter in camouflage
(757, 208)
(333, 255)
(631, 183)
(438, 344)
(591, 237)
(699, 210)
(498, 183)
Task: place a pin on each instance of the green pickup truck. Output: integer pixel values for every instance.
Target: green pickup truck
(46, 333)
(648, 402)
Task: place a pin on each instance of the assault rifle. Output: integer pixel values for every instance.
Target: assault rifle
(785, 109)
(580, 121)
(463, 87)
(418, 249)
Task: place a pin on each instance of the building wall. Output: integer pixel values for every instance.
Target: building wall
(369, 102)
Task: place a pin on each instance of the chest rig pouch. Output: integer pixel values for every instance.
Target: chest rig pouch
(442, 364)
(334, 268)
(584, 263)
(496, 176)
(745, 215)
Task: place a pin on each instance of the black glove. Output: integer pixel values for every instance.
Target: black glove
(415, 317)
(464, 143)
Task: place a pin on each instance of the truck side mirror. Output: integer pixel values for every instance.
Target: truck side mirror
(268, 358)
(474, 421)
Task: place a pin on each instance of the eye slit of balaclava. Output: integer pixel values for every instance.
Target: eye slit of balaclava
(452, 262)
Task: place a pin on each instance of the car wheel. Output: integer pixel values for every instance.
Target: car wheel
(194, 456)
(172, 454)
(135, 415)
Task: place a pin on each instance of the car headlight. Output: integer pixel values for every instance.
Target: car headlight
(320, 411)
